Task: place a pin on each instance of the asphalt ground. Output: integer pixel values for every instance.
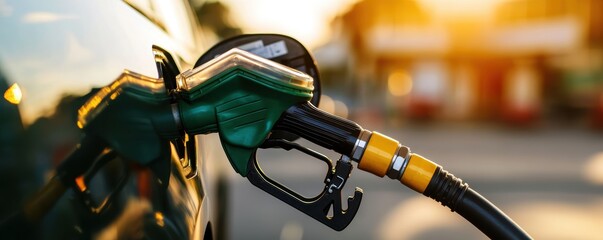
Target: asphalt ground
(541, 177)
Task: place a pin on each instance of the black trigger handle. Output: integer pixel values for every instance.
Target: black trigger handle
(316, 207)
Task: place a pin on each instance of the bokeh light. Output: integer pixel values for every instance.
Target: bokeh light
(13, 94)
(399, 83)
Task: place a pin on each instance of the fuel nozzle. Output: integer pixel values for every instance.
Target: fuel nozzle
(384, 156)
(240, 96)
(373, 151)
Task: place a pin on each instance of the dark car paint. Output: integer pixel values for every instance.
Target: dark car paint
(57, 51)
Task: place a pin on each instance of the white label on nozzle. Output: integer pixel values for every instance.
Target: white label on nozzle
(251, 46)
(277, 49)
(270, 51)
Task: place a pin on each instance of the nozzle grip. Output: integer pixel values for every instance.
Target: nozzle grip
(322, 128)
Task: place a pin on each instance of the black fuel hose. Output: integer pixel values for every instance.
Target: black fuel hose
(453, 193)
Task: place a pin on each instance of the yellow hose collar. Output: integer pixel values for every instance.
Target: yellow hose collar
(378, 155)
(418, 173)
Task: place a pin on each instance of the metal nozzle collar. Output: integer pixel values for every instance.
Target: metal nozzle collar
(360, 145)
(399, 162)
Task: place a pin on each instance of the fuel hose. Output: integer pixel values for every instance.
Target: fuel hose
(382, 155)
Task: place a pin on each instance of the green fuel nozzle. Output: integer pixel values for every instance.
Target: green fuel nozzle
(240, 96)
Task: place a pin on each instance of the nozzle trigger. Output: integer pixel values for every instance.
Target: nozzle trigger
(316, 207)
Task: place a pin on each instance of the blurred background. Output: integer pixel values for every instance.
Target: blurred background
(506, 94)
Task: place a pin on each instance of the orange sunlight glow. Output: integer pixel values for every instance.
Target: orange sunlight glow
(308, 21)
(451, 9)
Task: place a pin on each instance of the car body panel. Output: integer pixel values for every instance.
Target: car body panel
(57, 52)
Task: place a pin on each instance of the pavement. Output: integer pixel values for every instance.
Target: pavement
(548, 179)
